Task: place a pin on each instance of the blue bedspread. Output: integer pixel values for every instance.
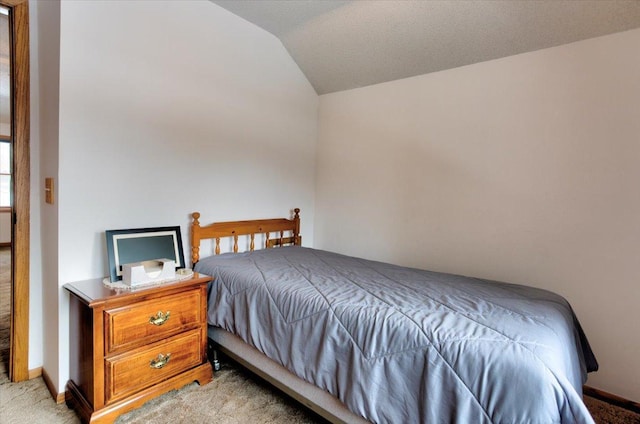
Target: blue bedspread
(401, 345)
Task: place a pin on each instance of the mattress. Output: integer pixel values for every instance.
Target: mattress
(398, 344)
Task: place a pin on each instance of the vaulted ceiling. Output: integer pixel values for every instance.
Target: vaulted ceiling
(340, 45)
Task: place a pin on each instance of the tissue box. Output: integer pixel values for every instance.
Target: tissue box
(147, 272)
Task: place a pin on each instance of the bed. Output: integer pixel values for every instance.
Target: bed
(364, 341)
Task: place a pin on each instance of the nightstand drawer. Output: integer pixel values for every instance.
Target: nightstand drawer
(151, 320)
(133, 371)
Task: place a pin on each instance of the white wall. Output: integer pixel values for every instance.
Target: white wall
(523, 169)
(44, 43)
(168, 108)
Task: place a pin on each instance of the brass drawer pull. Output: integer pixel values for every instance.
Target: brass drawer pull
(160, 361)
(160, 318)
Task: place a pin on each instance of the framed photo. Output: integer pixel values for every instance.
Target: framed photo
(142, 244)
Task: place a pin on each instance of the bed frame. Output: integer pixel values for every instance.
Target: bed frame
(234, 229)
(274, 231)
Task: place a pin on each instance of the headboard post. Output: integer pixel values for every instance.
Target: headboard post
(195, 238)
(296, 234)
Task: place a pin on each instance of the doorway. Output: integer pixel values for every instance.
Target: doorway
(16, 44)
(5, 209)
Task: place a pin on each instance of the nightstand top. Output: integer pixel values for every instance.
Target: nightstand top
(94, 292)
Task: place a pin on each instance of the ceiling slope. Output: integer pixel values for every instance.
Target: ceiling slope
(340, 45)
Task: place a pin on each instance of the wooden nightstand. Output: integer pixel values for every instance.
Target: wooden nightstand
(130, 346)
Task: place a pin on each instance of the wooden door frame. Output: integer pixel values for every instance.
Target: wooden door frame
(19, 335)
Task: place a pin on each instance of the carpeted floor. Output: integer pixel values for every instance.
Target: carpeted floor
(233, 397)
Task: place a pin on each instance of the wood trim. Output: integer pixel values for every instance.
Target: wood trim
(12, 3)
(57, 397)
(35, 373)
(612, 399)
(19, 336)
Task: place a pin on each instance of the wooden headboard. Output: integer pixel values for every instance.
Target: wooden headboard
(234, 229)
